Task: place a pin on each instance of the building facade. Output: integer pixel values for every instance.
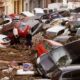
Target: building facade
(13, 6)
(2, 7)
(17, 6)
(31, 4)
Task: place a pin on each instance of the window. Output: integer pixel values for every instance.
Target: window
(52, 1)
(60, 0)
(16, 7)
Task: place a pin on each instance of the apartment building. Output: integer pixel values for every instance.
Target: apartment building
(13, 6)
(17, 6)
(31, 4)
(2, 7)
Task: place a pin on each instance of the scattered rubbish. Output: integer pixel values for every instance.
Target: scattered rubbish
(9, 70)
(27, 66)
(22, 72)
(5, 78)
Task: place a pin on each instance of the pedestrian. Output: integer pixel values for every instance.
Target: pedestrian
(27, 31)
(40, 48)
(16, 37)
(29, 37)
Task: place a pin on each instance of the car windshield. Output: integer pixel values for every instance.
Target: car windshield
(47, 64)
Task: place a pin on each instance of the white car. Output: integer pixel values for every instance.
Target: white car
(55, 30)
(4, 41)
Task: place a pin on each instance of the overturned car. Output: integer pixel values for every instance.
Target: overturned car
(53, 63)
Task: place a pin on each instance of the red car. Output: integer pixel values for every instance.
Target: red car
(23, 26)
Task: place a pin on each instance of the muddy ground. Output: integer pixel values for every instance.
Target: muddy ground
(18, 53)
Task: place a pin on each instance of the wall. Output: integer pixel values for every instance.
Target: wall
(9, 6)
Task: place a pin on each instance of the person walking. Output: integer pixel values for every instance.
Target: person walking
(16, 37)
(29, 37)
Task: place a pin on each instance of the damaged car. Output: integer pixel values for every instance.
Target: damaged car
(4, 41)
(58, 61)
(22, 24)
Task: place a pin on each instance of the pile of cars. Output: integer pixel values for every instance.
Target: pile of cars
(21, 21)
(61, 63)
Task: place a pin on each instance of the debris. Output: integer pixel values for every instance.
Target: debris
(27, 66)
(22, 72)
(9, 70)
(5, 78)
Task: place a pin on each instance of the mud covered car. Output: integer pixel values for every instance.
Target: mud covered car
(49, 65)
